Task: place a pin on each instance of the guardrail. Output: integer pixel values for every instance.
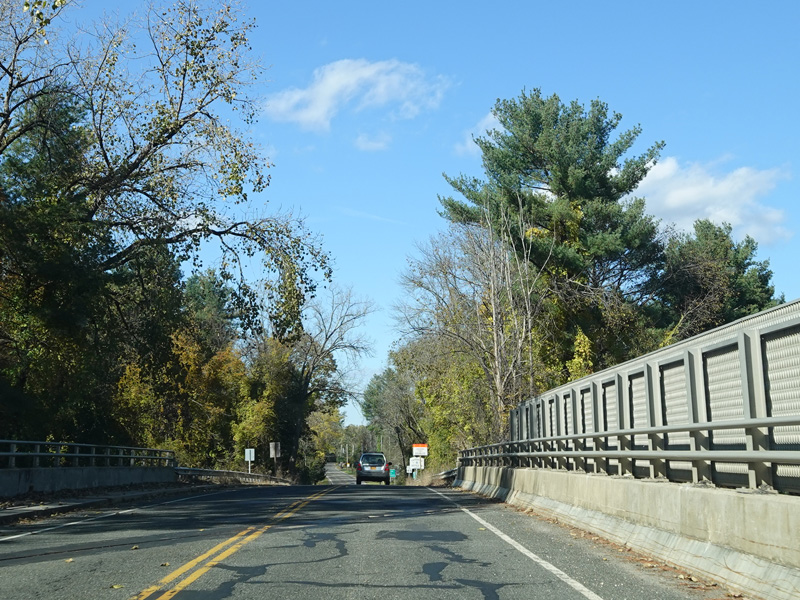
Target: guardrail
(16, 454)
(448, 475)
(187, 473)
(590, 452)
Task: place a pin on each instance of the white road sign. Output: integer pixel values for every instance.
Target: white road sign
(419, 449)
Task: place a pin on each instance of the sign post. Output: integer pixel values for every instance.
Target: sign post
(249, 456)
(275, 453)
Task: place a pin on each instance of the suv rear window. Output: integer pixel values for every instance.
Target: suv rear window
(374, 460)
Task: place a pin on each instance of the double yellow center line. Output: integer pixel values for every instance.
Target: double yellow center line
(203, 563)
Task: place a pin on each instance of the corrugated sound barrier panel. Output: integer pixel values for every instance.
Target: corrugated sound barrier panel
(782, 367)
(725, 401)
(675, 403)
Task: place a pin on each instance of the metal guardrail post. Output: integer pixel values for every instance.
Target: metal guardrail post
(580, 462)
(36, 452)
(625, 464)
(758, 473)
(12, 448)
(601, 463)
(658, 467)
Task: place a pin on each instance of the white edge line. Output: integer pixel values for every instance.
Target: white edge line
(576, 585)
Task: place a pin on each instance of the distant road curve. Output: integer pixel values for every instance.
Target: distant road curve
(338, 477)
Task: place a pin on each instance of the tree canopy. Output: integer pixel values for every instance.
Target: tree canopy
(557, 169)
(551, 268)
(124, 154)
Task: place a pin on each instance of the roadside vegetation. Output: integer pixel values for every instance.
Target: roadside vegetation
(550, 269)
(119, 169)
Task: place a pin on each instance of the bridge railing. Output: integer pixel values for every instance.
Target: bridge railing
(590, 452)
(191, 474)
(37, 454)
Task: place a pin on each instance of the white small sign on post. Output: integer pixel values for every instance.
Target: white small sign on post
(417, 462)
(419, 449)
(249, 456)
(274, 449)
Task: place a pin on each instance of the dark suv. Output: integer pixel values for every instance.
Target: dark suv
(372, 466)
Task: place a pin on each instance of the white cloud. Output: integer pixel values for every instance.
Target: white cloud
(682, 193)
(359, 84)
(467, 146)
(373, 144)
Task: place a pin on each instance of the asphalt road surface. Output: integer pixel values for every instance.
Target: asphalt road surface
(331, 542)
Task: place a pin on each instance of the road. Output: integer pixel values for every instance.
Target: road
(332, 542)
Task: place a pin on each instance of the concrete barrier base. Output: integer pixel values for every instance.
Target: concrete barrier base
(747, 541)
(14, 482)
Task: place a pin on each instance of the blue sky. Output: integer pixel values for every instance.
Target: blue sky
(366, 104)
